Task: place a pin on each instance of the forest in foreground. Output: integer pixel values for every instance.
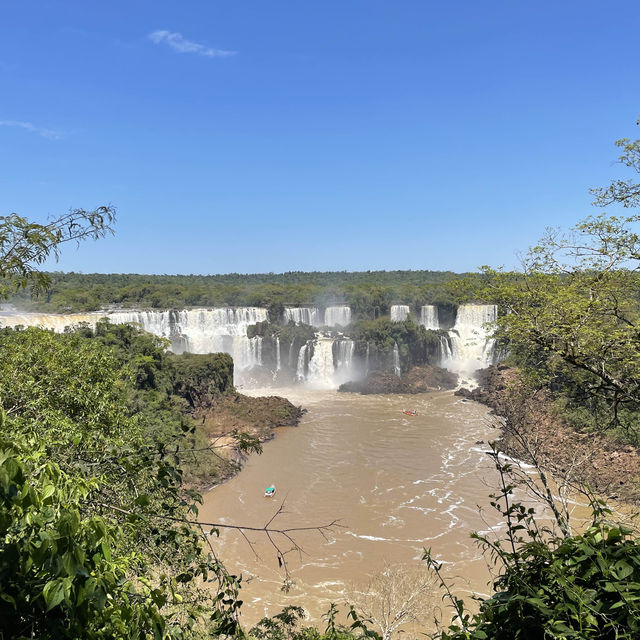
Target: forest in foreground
(99, 529)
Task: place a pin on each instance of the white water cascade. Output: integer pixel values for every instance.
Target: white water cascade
(396, 360)
(330, 365)
(337, 316)
(278, 365)
(194, 330)
(301, 369)
(303, 315)
(445, 349)
(255, 351)
(344, 349)
(471, 340)
(56, 322)
(205, 330)
(399, 312)
(429, 317)
(290, 358)
(321, 368)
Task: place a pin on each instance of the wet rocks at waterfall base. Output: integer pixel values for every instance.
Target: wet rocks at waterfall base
(417, 380)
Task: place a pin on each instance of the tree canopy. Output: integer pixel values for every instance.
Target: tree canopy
(571, 317)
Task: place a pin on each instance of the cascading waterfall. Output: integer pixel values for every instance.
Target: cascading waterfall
(366, 361)
(399, 312)
(301, 369)
(471, 343)
(225, 330)
(330, 364)
(256, 350)
(337, 316)
(57, 322)
(303, 315)
(321, 366)
(290, 359)
(429, 317)
(446, 353)
(343, 360)
(396, 360)
(194, 330)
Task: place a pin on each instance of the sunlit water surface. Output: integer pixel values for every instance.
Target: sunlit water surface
(397, 484)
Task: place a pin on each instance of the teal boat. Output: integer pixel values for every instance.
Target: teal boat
(269, 492)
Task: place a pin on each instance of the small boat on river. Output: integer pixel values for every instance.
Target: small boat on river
(408, 412)
(270, 491)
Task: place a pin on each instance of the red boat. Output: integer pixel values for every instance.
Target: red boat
(408, 412)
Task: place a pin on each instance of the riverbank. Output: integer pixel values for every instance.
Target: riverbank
(532, 428)
(232, 412)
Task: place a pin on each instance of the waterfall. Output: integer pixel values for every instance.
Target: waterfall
(396, 360)
(303, 315)
(429, 317)
(366, 361)
(301, 369)
(337, 316)
(255, 358)
(194, 330)
(343, 359)
(290, 359)
(321, 367)
(445, 348)
(471, 341)
(399, 312)
(278, 353)
(57, 322)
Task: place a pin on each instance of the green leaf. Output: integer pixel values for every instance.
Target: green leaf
(106, 551)
(53, 594)
(142, 500)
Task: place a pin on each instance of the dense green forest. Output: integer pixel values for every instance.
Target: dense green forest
(369, 293)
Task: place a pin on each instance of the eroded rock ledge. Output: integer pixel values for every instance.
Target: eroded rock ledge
(247, 415)
(610, 469)
(417, 380)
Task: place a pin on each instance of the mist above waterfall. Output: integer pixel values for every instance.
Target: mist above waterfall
(471, 345)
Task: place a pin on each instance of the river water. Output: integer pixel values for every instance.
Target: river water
(397, 484)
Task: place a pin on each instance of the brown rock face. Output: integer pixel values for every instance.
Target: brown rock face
(533, 428)
(418, 380)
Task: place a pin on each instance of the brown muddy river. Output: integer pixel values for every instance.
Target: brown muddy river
(396, 483)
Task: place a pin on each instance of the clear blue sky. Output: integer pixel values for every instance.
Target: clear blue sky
(248, 135)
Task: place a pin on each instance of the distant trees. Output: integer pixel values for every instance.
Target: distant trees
(369, 294)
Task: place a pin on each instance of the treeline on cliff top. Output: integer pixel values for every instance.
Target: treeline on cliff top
(369, 292)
